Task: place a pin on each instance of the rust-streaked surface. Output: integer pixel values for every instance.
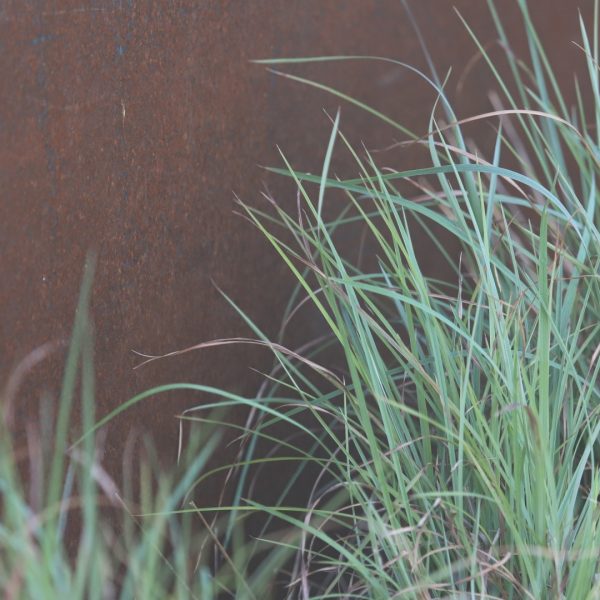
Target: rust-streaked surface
(126, 126)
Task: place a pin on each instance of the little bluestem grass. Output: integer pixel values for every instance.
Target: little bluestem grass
(462, 424)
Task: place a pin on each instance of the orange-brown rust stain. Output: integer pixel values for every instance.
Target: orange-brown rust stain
(126, 126)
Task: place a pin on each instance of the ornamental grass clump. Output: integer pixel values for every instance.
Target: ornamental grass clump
(456, 439)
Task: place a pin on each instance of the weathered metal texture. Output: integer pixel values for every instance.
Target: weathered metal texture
(126, 126)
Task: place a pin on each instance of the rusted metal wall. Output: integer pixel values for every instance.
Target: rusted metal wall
(127, 125)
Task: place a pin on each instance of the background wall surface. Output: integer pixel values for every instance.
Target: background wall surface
(126, 126)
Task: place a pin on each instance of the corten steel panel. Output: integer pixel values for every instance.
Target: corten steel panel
(126, 126)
